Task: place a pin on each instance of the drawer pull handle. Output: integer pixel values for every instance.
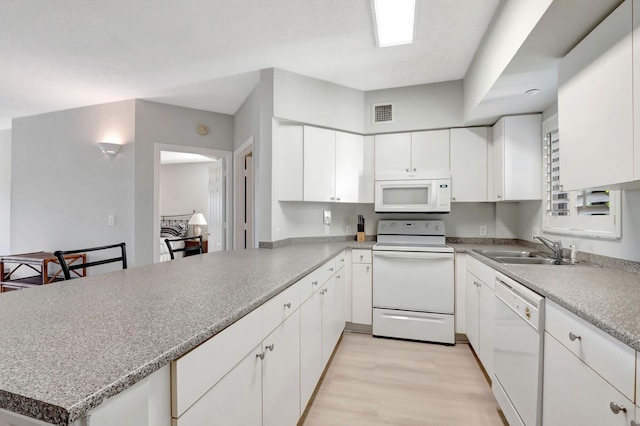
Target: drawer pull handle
(330, 269)
(322, 292)
(287, 305)
(260, 355)
(315, 283)
(477, 284)
(338, 276)
(573, 337)
(361, 257)
(270, 347)
(368, 267)
(615, 408)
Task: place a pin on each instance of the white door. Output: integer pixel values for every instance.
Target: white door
(217, 209)
(413, 281)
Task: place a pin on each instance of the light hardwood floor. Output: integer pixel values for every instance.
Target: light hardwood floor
(375, 381)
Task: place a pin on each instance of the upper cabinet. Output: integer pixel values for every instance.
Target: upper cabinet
(515, 159)
(469, 164)
(317, 164)
(596, 95)
(412, 154)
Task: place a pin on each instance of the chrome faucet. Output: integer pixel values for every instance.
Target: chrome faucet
(555, 246)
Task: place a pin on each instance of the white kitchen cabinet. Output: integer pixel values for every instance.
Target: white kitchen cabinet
(145, 403)
(480, 310)
(332, 310)
(636, 93)
(469, 164)
(409, 154)
(319, 164)
(392, 154)
(281, 374)
(595, 105)
(515, 159)
(310, 347)
(289, 139)
(236, 400)
(362, 290)
(338, 166)
(430, 152)
(460, 283)
(574, 394)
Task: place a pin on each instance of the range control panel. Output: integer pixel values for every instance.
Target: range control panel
(410, 227)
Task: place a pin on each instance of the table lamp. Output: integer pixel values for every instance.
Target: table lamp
(196, 220)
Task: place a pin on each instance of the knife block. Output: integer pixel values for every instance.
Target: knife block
(360, 237)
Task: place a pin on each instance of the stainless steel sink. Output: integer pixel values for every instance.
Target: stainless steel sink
(510, 253)
(521, 257)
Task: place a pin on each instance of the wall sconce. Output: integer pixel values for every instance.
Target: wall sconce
(110, 149)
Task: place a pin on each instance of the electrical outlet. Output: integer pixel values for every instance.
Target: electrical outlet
(535, 231)
(112, 220)
(483, 230)
(348, 230)
(278, 232)
(327, 217)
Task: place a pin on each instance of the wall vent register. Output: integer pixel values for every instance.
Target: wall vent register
(383, 113)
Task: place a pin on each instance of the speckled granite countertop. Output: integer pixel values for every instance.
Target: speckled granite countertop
(66, 347)
(606, 297)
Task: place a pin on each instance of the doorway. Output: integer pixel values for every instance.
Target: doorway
(196, 181)
(244, 197)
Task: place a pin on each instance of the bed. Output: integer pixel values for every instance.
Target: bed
(172, 226)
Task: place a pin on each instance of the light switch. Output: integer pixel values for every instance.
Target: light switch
(112, 220)
(327, 217)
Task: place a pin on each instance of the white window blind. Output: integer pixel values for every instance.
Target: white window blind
(589, 213)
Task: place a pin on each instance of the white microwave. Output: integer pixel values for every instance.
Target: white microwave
(413, 196)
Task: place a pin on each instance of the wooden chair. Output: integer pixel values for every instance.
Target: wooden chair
(187, 249)
(67, 268)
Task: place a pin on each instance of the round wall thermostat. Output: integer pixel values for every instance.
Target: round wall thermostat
(202, 129)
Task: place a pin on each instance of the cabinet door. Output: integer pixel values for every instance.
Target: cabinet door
(290, 160)
(595, 105)
(430, 152)
(486, 330)
(281, 374)
(330, 313)
(367, 180)
(496, 163)
(522, 179)
(349, 167)
(362, 302)
(310, 347)
(319, 164)
(392, 154)
(235, 400)
(460, 280)
(341, 300)
(574, 394)
(636, 93)
(469, 164)
(472, 310)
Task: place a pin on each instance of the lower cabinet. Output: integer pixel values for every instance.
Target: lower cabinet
(576, 395)
(480, 300)
(281, 374)
(220, 383)
(362, 293)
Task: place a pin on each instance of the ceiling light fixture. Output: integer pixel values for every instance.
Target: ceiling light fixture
(394, 21)
(532, 92)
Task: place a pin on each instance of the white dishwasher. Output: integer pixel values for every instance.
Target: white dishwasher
(518, 352)
(413, 285)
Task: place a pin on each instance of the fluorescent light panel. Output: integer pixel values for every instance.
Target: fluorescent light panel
(394, 21)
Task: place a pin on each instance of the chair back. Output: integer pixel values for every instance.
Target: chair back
(68, 268)
(188, 250)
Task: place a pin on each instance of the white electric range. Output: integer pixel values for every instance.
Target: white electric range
(413, 281)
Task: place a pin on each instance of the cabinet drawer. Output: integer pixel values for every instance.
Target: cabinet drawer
(193, 374)
(609, 357)
(310, 284)
(485, 272)
(361, 256)
(340, 260)
(276, 310)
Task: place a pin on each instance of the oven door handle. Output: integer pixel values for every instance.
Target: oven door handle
(413, 255)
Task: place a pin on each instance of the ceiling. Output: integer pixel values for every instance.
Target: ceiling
(207, 54)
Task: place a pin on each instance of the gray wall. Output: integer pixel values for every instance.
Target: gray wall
(63, 188)
(5, 191)
(167, 124)
(246, 121)
(428, 106)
